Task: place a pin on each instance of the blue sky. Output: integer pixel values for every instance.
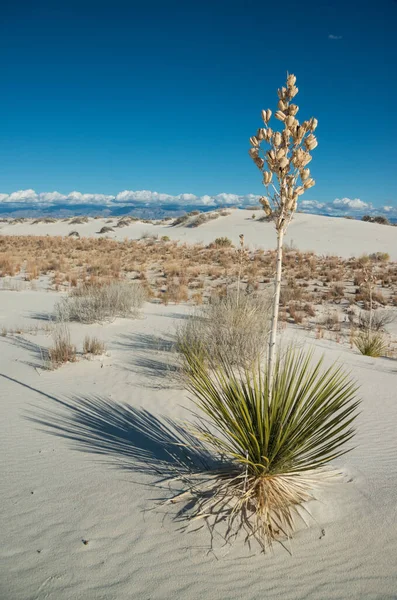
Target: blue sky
(101, 97)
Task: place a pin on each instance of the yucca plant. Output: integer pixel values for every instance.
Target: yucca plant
(276, 427)
(371, 343)
(275, 450)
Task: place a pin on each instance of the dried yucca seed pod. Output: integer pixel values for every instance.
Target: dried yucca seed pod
(291, 80)
(268, 115)
(309, 183)
(259, 134)
(293, 91)
(313, 124)
(266, 205)
(305, 173)
(300, 190)
(282, 105)
(269, 133)
(310, 145)
(280, 115)
(283, 162)
(254, 141)
(293, 109)
(290, 180)
(253, 152)
(289, 121)
(277, 138)
(280, 153)
(267, 177)
(290, 192)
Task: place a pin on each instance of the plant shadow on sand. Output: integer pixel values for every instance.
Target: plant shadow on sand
(38, 353)
(152, 358)
(130, 438)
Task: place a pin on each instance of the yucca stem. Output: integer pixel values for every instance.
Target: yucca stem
(276, 302)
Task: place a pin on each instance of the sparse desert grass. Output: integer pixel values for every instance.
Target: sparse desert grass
(99, 303)
(62, 350)
(93, 345)
(233, 328)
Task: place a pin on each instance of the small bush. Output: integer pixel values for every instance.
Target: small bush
(106, 230)
(92, 345)
(180, 220)
(232, 328)
(98, 303)
(375, 320)
(223, 242)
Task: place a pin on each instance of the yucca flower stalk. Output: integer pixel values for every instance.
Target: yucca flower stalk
(285, 176)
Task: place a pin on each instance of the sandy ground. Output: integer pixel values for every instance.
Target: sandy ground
(323, 235)
(78, 464)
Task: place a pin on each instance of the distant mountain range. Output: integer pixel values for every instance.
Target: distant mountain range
(158, 211)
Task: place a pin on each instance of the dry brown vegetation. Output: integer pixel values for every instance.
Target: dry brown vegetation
(178, 272)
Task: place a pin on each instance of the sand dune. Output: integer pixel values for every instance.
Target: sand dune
(80, 515)
(323, 235)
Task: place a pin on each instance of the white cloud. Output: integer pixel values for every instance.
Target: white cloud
(147, 198)
(355, 204)
(334, 37)
(22, 196)
(312, 204)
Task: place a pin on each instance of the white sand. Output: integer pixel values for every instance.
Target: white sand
(323, 235)
(70, 441)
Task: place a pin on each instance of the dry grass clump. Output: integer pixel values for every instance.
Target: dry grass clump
(62, 350)
(99, 303)
(233, 328)
(106, 229)
(272, 453)
(93, 345)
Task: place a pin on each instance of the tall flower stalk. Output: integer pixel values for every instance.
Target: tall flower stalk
(286, 177)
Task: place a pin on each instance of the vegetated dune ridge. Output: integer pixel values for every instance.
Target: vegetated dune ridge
(322, 235)
(77, 517)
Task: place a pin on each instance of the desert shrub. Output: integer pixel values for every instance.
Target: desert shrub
(180, 220)
(74, 234)
(62, 350)
(331, 320)
(375, 320)
(199, 220)
(93, 345)
(380, 256)
(233, 327)
(97, 303)
(105, 229)
(371, 343)
(223, 242)
(79, 220)
(381, 220)
(165, 238)
(274, 453)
